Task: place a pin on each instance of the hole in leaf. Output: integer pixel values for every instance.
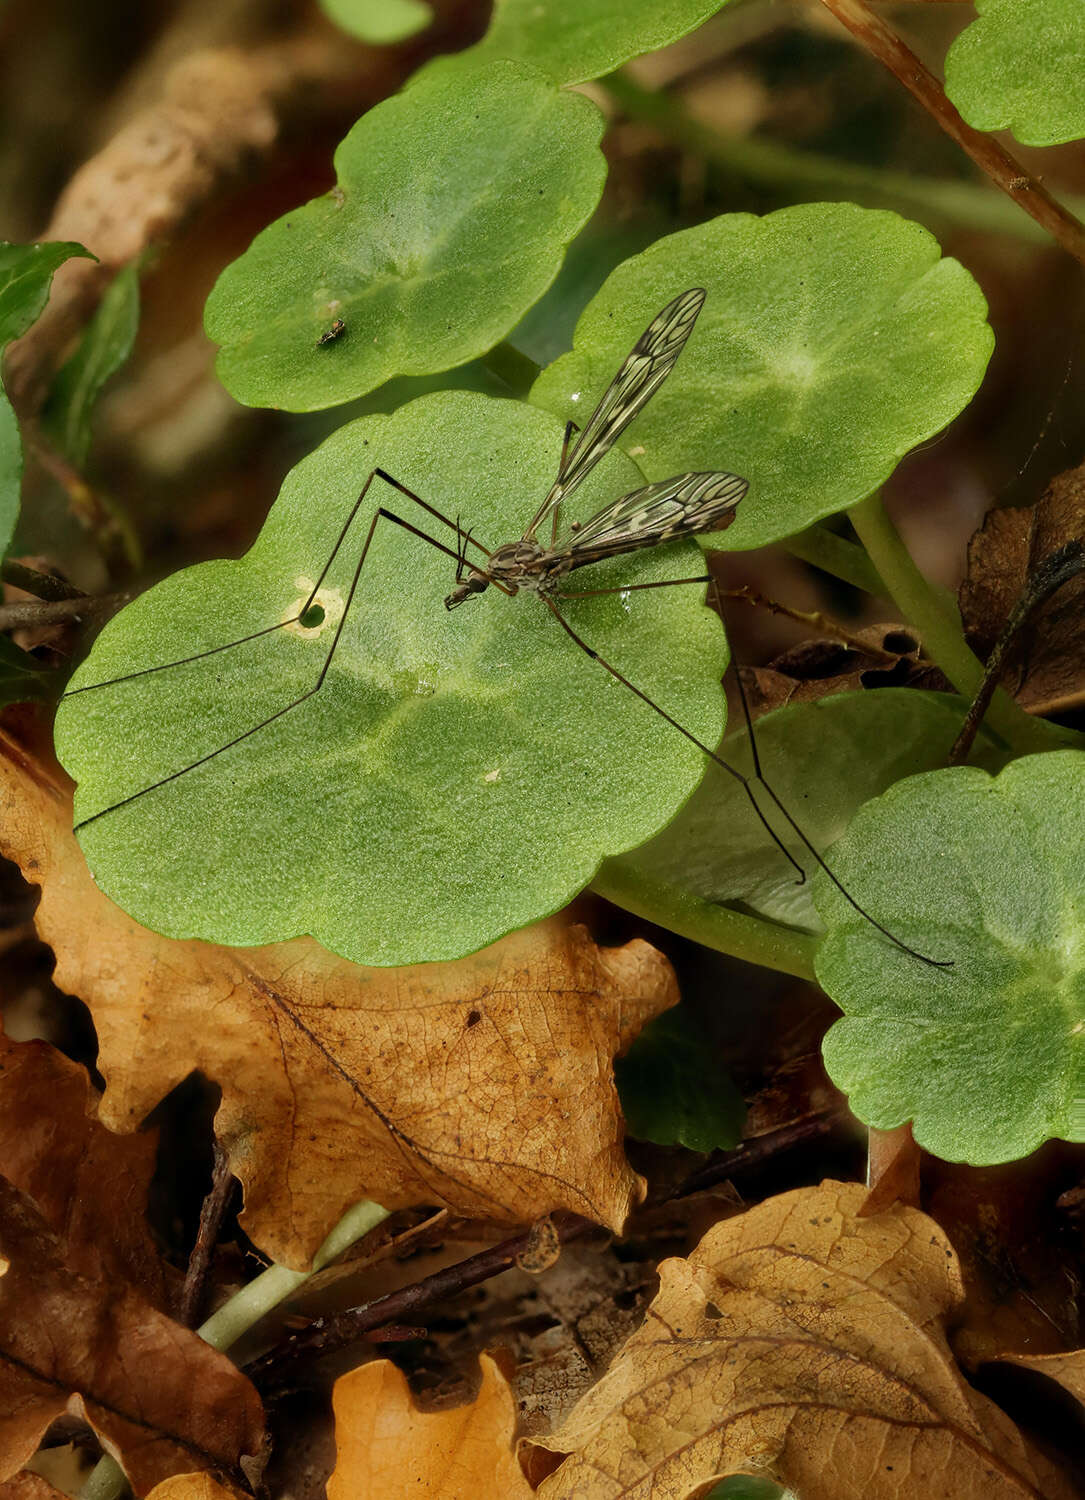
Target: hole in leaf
(900, 641)
(312, 617)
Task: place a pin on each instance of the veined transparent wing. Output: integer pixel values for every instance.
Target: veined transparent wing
(680, 506)
(650, 361)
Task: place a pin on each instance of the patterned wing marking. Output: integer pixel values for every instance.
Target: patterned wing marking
(650, 361)
(680, 506)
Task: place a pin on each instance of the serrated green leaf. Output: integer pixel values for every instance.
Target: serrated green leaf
(673, 1091)
(575, 40)
(11, 472)
(459, 774)
(102, 351)
(22, 678)
(833, 340)
(823, 760)
(379, 22)
(26, 272)
(1021, 66)
(454, 205)
(987, 1059)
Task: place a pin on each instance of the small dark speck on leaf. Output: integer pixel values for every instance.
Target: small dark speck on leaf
(474, 1017)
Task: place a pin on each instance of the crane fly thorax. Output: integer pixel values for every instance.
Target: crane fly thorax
(527, 565)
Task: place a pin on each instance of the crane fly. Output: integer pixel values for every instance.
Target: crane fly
(685, 505)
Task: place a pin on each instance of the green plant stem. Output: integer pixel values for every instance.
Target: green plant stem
(875, 33)
(759, 941)
(246, 1307)
(837, 556)
(808, 176)
(932, 613)
(259, 1296)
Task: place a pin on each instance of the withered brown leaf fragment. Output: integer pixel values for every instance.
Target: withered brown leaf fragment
(28, 1486)
(803, 1343)
(188, 1487)
(484, 1085)
(89, 1184)
(161, 1400)
(389, 1450)
(1045, 665)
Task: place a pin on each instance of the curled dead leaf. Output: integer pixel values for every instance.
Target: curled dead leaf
(160, 1399)
(89, 1184)
(804, 1343)
(1045, 664)
(873, 656)
(485, 1085)
(389, 1450)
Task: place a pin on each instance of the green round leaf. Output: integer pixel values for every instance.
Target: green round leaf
(1021, 66)
(833, 340)
(823, 760)
(454, 205)
(575, 40)
(26, 273)
(987, 1059)
(459, 774)
(673, 1091)
(379, 22)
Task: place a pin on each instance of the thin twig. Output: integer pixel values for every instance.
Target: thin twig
(1004, 170)
(41, 585)
(759, 1149)
(211, 1216)
(324, 1335)
(51, 612)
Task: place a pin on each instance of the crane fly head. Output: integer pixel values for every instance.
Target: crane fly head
(474, 584)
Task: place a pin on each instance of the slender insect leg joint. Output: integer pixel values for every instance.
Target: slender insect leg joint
(745, 781)
(380, 515)
(293, 619)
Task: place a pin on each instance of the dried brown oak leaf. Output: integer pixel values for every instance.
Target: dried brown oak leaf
(188, 1487)
(389, 1450)
(485, 1085)
(161, 1400)
(28, 1486)
(804, 1343)
(1045, 667)
(89, 1184)
(1067, 1370)
(873, 656)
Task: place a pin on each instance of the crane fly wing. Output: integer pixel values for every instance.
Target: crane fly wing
(650, 361)
(680, 506)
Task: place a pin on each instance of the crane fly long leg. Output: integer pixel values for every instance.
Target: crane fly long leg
(628, 588)
(746, 783)
(570, 428)
(255, 635)
(380, 515)
(669, 583)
